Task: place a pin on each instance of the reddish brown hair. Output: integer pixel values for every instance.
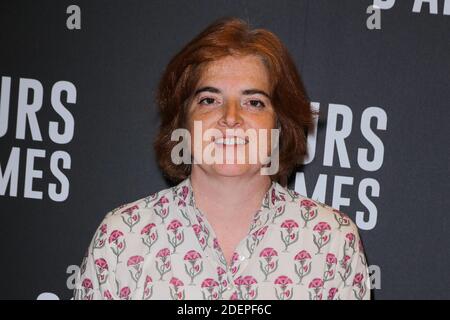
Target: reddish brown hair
(233, 36)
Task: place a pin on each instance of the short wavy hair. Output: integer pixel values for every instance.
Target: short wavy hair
(225, 37)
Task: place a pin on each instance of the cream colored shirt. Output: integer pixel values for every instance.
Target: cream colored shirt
(163, 247)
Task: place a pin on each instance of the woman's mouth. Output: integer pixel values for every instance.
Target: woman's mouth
(230, 141)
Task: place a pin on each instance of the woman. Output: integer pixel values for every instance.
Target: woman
(226, 230)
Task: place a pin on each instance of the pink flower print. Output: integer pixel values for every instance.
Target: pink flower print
(197, 229)
(341, 218)
(321, 227)
(223, 282)
(347, 268)
(162, 201)
(220, 271)
(268, 252)
(329, 272)
(345, 260)
(161, 209)
(316, 283)
(87, 288)
(302, 255)
(258, 234)
(358, 278)
(107, 295)
(360, 289)
(215, 243)
(279, 211)
(149, 235)
(247, 287)
(210, 289)
(163, 253)
(331, 259)
(176, 289)
(150, 199)
(317, 286)
(100, 238)
(350, 239)
(134, 265)
(174, 225)
(308, 204)
(182, 200)
(147, 229)
(285, 290)
(248, 280)
(117, 243)
(87, 284)
(192, 255)
(163, 263)
(125, 293)
(255, 239)
(234, 296)
(131, 216)
(238, 281)
(321, 238)
(134, 260)
(289, 224)
(269, 263)
(101, 263)
(308, 211)
(273, 197)
(289, 234)
(115, 235)
(191, 265)
(234, 266)
(302, 266)
(148, 288)
(184, 192)
(177, 237)
(332, 293)
(201, 236)
(176, 282)
(101, 269)
(276, 197)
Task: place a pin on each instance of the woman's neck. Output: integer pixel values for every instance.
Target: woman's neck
(229, 197)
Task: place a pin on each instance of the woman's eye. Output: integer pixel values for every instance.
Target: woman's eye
(207, 101)
(257, 103)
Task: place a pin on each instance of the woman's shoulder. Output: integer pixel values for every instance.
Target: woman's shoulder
(142, 211)
(315, 214)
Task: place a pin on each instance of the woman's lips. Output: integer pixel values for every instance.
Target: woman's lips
(230, 141)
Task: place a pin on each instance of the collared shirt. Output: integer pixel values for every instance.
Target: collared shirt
(163, 247)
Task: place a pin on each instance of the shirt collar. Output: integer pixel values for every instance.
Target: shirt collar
(273, 198)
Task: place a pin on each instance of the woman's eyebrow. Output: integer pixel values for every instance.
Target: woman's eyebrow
(208, 89)
(244, 92)
(256, 91)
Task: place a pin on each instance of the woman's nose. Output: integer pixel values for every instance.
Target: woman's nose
(231, 115)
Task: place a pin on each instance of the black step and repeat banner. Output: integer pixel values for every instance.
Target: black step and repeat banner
(78, 119)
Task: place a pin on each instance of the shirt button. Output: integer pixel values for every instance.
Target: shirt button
(242, 258)
(229, 288)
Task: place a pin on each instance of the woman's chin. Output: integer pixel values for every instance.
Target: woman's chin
(233, 170)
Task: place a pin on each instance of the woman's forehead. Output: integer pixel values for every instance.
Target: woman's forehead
(228, 71)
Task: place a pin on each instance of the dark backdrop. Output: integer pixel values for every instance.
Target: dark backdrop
(384, 90)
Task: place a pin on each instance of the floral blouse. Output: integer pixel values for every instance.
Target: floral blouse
(162, 247)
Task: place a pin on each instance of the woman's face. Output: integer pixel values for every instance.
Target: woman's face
(231, 98)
